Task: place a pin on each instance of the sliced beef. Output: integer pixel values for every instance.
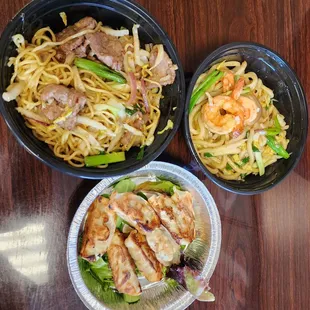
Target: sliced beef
(75, 44)
(164, 72)
(108, 49)
(58, 99)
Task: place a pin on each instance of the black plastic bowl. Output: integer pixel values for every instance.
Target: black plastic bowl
(115, 13)
(277, 75)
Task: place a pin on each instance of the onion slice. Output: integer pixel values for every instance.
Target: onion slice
(160, 55)
(136, 44)
(133, 87)
(144, 95)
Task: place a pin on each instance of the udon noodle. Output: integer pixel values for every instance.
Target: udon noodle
(116, 116)
(234, 123)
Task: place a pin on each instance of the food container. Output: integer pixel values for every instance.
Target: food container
(41, 13)
(278, 76)
(208, 232)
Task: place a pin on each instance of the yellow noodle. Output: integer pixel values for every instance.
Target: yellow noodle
(37, 66)
(229, 164)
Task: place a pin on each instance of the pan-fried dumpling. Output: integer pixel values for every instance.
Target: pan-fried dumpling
(99, 228)
(123, 267)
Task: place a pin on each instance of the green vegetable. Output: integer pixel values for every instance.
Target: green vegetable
(276, 123)
(124, 186)
(138, 107)
(208, 78)
(160, 186)
(131, 299)
(171, 283)
(168, 126)
(106, 196)
(182, 247)
(243, 175)
(276, 147)
(208, 154)
(229, 167)
(138, 273)
(164, 271)
(245, 160)
(246, 90)
(141, 153)
(211, 79)
(255, 149)
(131, 111)
(120, 223)
(99, 69)
(273, 131)
(259, 160)
(97, 283)
(97, 160)
(99, 263)
(142, 195)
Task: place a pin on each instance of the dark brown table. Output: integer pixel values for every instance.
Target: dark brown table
(265, 256)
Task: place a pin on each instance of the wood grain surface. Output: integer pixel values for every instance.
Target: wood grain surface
(265, 255)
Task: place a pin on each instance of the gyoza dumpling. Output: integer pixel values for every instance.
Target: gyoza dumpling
(143, 256)
(99, 228)
(167, 251)
(135, 210)
(123, 267)
(176, 214)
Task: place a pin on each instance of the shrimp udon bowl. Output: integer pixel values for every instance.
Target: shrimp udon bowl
(92, 89)
(246, 118)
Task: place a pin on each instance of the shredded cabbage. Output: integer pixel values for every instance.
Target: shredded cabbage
(92, 123)
(91, 139)
(13, 91)
(133, 130)
(18, 40)
(115, 33)
(112, 105)
(136, 45)
(63, 16)
(168, 126)
(31, 115)
(78, 84)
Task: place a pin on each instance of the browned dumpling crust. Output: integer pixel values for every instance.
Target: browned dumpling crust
(99, 228)
(135, 210)
(123, 267)
(143, 256)
(176, 214)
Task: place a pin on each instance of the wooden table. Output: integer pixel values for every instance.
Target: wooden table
(265, 256)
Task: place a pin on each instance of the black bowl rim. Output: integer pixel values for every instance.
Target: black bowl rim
(190, 144)
(139, 164)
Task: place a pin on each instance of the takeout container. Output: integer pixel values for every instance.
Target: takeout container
(208, 231)
(41, 13)
(276, 74)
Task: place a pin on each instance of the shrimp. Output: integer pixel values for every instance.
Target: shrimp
(226, 115)
(238, 89)
(228, 81)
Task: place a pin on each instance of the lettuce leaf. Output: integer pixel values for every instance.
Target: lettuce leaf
(98, 278)
(159, 186)
(126, 185)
